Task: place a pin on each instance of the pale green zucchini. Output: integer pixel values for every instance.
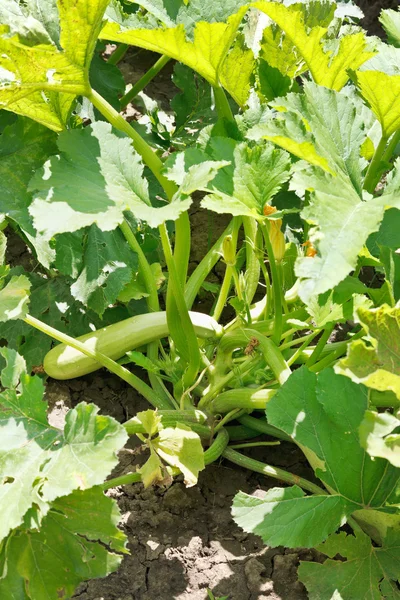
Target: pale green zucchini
(64, 362)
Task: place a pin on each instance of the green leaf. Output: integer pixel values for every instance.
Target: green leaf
(42, 81)
(256, 174)
(108, 265)
(79, 538)
(151, 471)
(327, 129)
(107, 80)
(323, 414)
(288, 517)
(390, 20)
(193, 106)
(205, 54)
(305, 37)
(136, 288)
(236, 72)
(379, 84)
(22, 20)
(24, 147)
(243, 187)
(369, 572)
(181, 447)
(378, 437)
(40, 463)
(376, 365)
(95, 179)
(14, 299)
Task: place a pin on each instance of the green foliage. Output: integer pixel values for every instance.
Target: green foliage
(302, 158)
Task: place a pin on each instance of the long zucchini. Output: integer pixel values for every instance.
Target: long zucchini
(64, 362)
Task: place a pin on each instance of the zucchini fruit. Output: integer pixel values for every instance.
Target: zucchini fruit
(64, 362)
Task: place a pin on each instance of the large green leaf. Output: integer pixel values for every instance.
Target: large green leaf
(42, 81)
(369, 572)
(327, 129)
(24, 147)
(288, 517)
(78, 538)
(103, 277)
(322, 414)
(96, 178)
(39, 463)
(305, 28)
(376, 365)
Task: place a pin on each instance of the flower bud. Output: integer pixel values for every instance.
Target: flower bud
(275, 233)
(229, 251)
(310, 250)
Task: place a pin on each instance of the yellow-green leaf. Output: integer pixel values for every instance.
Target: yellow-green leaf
(42, 81)
(181, 447)
(327, 68)
(205, 54)
(382, 92)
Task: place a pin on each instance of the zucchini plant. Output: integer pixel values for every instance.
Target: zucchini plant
(288, 120)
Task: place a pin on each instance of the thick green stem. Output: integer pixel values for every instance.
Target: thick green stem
(374, 173)
(222, 105)
(323, 340)
(253, 445)
(123, 480)
(153, 304)
(118, 54)
(276, 286)
(216, 449)
(146, 152)
(145, 80)
(181, 327)
(263, 427)
(142, 387)
(223, 293)
(274, 472)
(252, 275)
(205, 266)
(395, 140)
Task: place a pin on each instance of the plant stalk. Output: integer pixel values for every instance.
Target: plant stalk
(145, 80)
(274, 472)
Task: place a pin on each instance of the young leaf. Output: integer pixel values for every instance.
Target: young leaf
(180, 447)
(378, 437)
(95, 179)
(41, 81)
(14, 299)
(288, 517)
(41, 463)
(103, 277)
(78, 537)
(303, 30)
(376, 365)
(151, 471)
(369, 572)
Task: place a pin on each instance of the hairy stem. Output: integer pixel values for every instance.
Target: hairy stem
(374, 173)
(274, 472)
(145, 80)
